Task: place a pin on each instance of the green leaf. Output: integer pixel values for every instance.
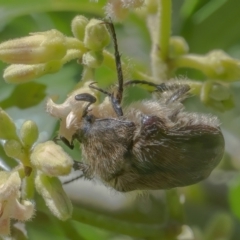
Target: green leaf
(201, 8)
(16, 8)
(204, 29)
(25, 95)
(189, 7)
(220, 226)
(234, 196)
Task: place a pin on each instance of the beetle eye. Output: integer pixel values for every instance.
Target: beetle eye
(89, 118)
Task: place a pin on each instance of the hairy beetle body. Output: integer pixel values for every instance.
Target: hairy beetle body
(154, 146)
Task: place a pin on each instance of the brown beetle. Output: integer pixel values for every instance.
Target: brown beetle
(152, 144)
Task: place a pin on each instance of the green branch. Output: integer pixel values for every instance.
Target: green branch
(164, 28)
(159, 25)
(119, 226)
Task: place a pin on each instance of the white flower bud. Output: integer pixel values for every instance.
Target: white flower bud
(78, 25)
(29, 133)
(7, 126)
(54, 196)
(40, 47)
(21, 73)
(96, 35)
(15, 149)
(178, 46)
(51, 159)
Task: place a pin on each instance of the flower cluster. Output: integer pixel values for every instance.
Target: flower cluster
(41, 163)
(31, 57)
(46, 52)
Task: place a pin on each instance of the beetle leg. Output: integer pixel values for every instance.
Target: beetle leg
(115, 104)
(82, 167)
(64, 140)
(179, 94)
(73, 179)
(99, 89)
(160, 87)
(87, 173)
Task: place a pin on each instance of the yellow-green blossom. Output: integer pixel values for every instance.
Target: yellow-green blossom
(51, 159)
(40, 47)
(54, 196)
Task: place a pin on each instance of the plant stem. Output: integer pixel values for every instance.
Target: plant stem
(174, 206)
(116, 225)
(159, 25)
(73, 43)
(164, 28)
(29, 187)
(175, 212)
(205, 91)
(69, 230)
(198, 62)
(190, 61)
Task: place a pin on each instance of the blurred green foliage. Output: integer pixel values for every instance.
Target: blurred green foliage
(210, 206)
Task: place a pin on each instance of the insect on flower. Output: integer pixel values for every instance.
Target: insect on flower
(152, 144)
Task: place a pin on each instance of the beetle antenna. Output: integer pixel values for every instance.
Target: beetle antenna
(73, 179)
(117, 60)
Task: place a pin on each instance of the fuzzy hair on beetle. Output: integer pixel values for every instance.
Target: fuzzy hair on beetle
(149, 145)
